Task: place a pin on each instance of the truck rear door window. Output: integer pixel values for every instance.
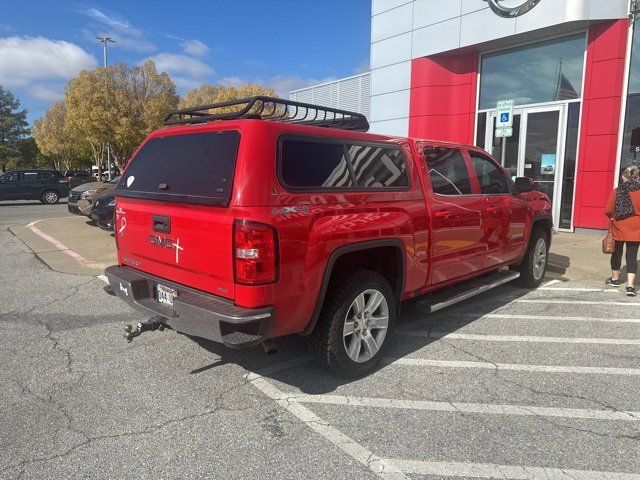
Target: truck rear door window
(190, 168)
(448, 171)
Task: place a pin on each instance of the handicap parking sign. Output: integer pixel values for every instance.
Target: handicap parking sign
(504, 114)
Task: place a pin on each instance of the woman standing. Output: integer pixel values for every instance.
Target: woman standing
(623, 208)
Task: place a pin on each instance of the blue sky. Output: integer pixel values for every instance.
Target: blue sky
(284, 44)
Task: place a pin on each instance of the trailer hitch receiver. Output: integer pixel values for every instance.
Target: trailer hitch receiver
(155, 323)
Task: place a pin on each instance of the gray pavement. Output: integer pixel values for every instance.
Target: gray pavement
(513, 384)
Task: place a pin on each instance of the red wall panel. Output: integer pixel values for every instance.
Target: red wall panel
(443, 97)
(602, 97)
(443, 101)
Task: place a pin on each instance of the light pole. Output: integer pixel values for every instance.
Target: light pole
(105, 42)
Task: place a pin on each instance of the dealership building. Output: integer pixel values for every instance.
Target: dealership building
(439, 68)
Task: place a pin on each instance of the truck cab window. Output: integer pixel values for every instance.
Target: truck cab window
(447, 170)
(491, 179)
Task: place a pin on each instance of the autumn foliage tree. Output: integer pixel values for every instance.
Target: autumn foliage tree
(118, 106)
(208, 94)
(54, 140)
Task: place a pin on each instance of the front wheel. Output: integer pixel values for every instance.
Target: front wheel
(50, 197)
(534, 265)
(356, 323)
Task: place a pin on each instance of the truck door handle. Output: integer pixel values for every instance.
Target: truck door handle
(442, 214)
(161, 224)
(492, 210)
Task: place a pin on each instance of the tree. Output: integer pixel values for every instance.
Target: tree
(25, 156)
(89, 101)
(118, 106)
(54, 140)
(143, 97)
(13, 126)
(207, 94)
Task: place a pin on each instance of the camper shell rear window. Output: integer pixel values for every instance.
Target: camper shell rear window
(188, 168)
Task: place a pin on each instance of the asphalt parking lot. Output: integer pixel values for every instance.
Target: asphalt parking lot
(512, 384)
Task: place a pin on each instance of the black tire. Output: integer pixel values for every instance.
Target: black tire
(329, 341)
(531, 272)
(50, 197)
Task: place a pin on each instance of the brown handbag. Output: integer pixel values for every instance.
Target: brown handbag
(608, 243)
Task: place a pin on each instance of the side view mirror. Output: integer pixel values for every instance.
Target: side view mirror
(524, 184)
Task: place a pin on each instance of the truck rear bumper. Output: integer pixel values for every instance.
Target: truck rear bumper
(193, 312)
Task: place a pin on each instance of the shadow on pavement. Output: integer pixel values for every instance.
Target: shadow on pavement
(312, 379)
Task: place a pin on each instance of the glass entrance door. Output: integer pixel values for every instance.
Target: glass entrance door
(536, 149)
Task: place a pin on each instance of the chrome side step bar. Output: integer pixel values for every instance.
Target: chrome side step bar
(452, 295)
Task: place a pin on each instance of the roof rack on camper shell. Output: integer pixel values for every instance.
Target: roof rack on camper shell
(271, 108)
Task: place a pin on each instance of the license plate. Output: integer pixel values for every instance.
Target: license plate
(165, 295)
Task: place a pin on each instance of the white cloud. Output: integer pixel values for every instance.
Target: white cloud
(124, 33)
(195, 48)
(363, 67)
(48, 93)
(186, 72)
(232, 81)
(181, 65)
(184, 84)
(25, 60)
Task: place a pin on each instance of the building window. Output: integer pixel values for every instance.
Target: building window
(544, 72)
(481, 130)
(570, 159)
(630, 141)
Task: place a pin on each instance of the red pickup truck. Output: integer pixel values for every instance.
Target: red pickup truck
(246, 221)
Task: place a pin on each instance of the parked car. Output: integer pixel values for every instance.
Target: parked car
(73, 178)
(104, 174)
(102, 211)
(240, 229)
(82, 197)
(43, 185)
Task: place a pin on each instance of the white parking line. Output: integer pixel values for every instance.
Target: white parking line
(423, 362)
(577, 302)
(554, 318)
(490, 470)
(569, 289)
(407, 327)
(366, 457)
(103, 278)
(458, 407)
(519, 338)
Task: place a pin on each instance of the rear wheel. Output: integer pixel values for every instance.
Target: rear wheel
(356, 323)
(50, 197)
(534, 265)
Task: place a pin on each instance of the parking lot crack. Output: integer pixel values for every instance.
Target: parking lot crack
(89, 439)
(602, 405)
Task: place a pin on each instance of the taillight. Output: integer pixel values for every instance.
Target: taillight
(255, 253)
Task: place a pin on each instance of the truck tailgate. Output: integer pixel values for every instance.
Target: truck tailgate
(189, 244)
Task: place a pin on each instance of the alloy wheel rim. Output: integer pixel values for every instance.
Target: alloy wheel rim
(365, 325)
(539, 258)
(50, 197)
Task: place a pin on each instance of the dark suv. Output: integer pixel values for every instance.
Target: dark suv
(43, 185)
